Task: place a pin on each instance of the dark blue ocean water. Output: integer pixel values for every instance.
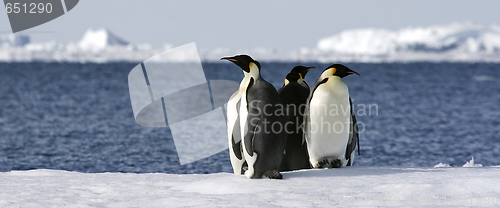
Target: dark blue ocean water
(78, 117)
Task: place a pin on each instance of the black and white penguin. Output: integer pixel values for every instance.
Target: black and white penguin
(294, 94)
(234, 134)
(331, 128)
(261, 127)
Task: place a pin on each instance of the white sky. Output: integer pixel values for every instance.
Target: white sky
(278, 24)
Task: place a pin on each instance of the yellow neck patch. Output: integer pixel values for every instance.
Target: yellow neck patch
(252, 65)
(254, 69)
(333, 70)
(300, 80)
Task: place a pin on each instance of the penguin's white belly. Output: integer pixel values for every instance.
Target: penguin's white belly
(243, 129)
(232, 115)
(232, 122)
(330, 115)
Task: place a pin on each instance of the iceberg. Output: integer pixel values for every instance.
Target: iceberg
(14, 40)
(454, 42)
(100, 39)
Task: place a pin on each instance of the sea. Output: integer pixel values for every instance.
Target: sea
(78, 116)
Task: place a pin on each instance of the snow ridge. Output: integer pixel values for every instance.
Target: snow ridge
(14, 40)
(100, 39)
(456, 42)
(457, 37)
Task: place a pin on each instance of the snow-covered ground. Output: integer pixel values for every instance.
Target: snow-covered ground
(462, 42)
(441, 186)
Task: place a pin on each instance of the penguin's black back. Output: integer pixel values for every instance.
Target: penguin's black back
(268, 144)
(294, 97)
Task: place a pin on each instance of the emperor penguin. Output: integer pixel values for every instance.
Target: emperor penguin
(234, 134)
(294, 94)
(261, 124)
(331, 127)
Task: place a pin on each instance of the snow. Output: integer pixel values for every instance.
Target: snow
(472, 164)
(14, 40)
(100, 39)
(442, 165)
(455, 42)
(344, 187)
(469, 164)
(360, 41)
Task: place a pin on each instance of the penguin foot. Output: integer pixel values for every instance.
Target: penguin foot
(272, 174)
(337, 163)
(323, 163)
(244, 168)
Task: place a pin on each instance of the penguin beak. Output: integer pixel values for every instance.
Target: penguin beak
(353, 72)
(307, 70)
(229, 58)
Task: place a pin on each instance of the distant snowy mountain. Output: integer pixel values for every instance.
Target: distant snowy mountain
(14, 40)
(454, 38)
(100, 39)
(457, 42)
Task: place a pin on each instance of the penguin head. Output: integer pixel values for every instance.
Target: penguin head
(292, 77)
(301, 71)
(339, 70)
(245, 62)
(297, 74)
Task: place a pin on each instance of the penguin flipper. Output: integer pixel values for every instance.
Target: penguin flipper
(249, 135)
(236, 137)
(305, 125)
(353, 136)
(237, 149)
(355, 129)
